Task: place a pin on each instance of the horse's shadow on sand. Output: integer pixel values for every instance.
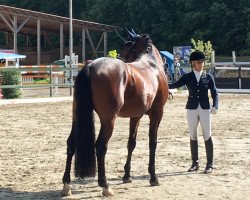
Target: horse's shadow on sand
(146, 177)
(139, 177)
(162, 175)
(9, 194)
(120, 185)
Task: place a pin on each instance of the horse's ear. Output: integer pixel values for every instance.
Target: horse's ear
(149, 39)
(130, 34)
(133, 32)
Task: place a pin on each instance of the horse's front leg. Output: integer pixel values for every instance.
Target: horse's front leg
(66, 177)
(101, 149)
(155, 118)
(133, 126)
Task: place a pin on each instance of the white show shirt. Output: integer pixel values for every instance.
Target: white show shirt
(198, 75)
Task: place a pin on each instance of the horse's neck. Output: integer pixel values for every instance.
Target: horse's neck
(143, 61)
(155, 54)
(151, 59)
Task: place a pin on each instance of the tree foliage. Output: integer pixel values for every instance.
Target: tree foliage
(169, 23)
(205, 47)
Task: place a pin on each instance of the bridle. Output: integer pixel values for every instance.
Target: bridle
(128, 54)
(131, 53)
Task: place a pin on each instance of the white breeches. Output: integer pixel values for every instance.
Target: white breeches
(194, 117)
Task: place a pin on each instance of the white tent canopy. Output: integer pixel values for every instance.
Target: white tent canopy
(11, 56)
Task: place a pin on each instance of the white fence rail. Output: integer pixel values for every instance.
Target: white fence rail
(238, 82)
(53, 75)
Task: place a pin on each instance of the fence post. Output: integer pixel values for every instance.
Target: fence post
(50, 80)
(213, 62)
(234, 57)
(239, 70)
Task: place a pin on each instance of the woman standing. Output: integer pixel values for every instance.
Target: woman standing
(198, 107)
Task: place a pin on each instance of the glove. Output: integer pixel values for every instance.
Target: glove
(213, 111)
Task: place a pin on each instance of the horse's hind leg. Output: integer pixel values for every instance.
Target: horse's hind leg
(133, 126)
(66, 177)
(101, 149)
(155, 118)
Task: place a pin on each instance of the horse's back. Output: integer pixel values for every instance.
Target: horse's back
(108, 79)
(106, 65)
(126, 90)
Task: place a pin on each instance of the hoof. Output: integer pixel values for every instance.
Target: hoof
(66, 190)
(127, 180)
(154, 182)
(107, 192)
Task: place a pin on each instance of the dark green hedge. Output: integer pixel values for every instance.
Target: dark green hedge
(11, 78)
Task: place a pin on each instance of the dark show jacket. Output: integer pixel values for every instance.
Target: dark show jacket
(198, 92)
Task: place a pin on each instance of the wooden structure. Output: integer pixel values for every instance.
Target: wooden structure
(231, 75)
(27, 22)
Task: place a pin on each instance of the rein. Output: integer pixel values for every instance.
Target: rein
(128, 54)
(147, 46)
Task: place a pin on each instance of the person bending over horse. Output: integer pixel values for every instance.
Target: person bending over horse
(198, 107)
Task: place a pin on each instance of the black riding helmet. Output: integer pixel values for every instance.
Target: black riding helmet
(197, 55)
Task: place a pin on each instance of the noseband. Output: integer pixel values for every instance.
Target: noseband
(132, 49)
(131, 53)
(145, 45)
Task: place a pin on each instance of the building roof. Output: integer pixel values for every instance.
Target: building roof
(49, 22)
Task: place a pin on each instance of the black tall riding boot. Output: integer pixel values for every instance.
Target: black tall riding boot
(210, 153)
(194, 156)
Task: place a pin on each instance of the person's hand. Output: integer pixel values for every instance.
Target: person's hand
(213, 110)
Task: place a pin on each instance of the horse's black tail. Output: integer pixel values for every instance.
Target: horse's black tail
(84, 129)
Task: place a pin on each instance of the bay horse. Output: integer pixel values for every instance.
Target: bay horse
(113, 88)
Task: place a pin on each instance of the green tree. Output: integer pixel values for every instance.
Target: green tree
(205, 47)
(169, 23)
(58, 7)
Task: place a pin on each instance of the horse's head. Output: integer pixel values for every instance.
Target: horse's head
(127, 53)
(133, 48)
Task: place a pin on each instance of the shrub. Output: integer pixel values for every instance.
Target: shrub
(11, 78)
(41, 81)
(205, 47)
